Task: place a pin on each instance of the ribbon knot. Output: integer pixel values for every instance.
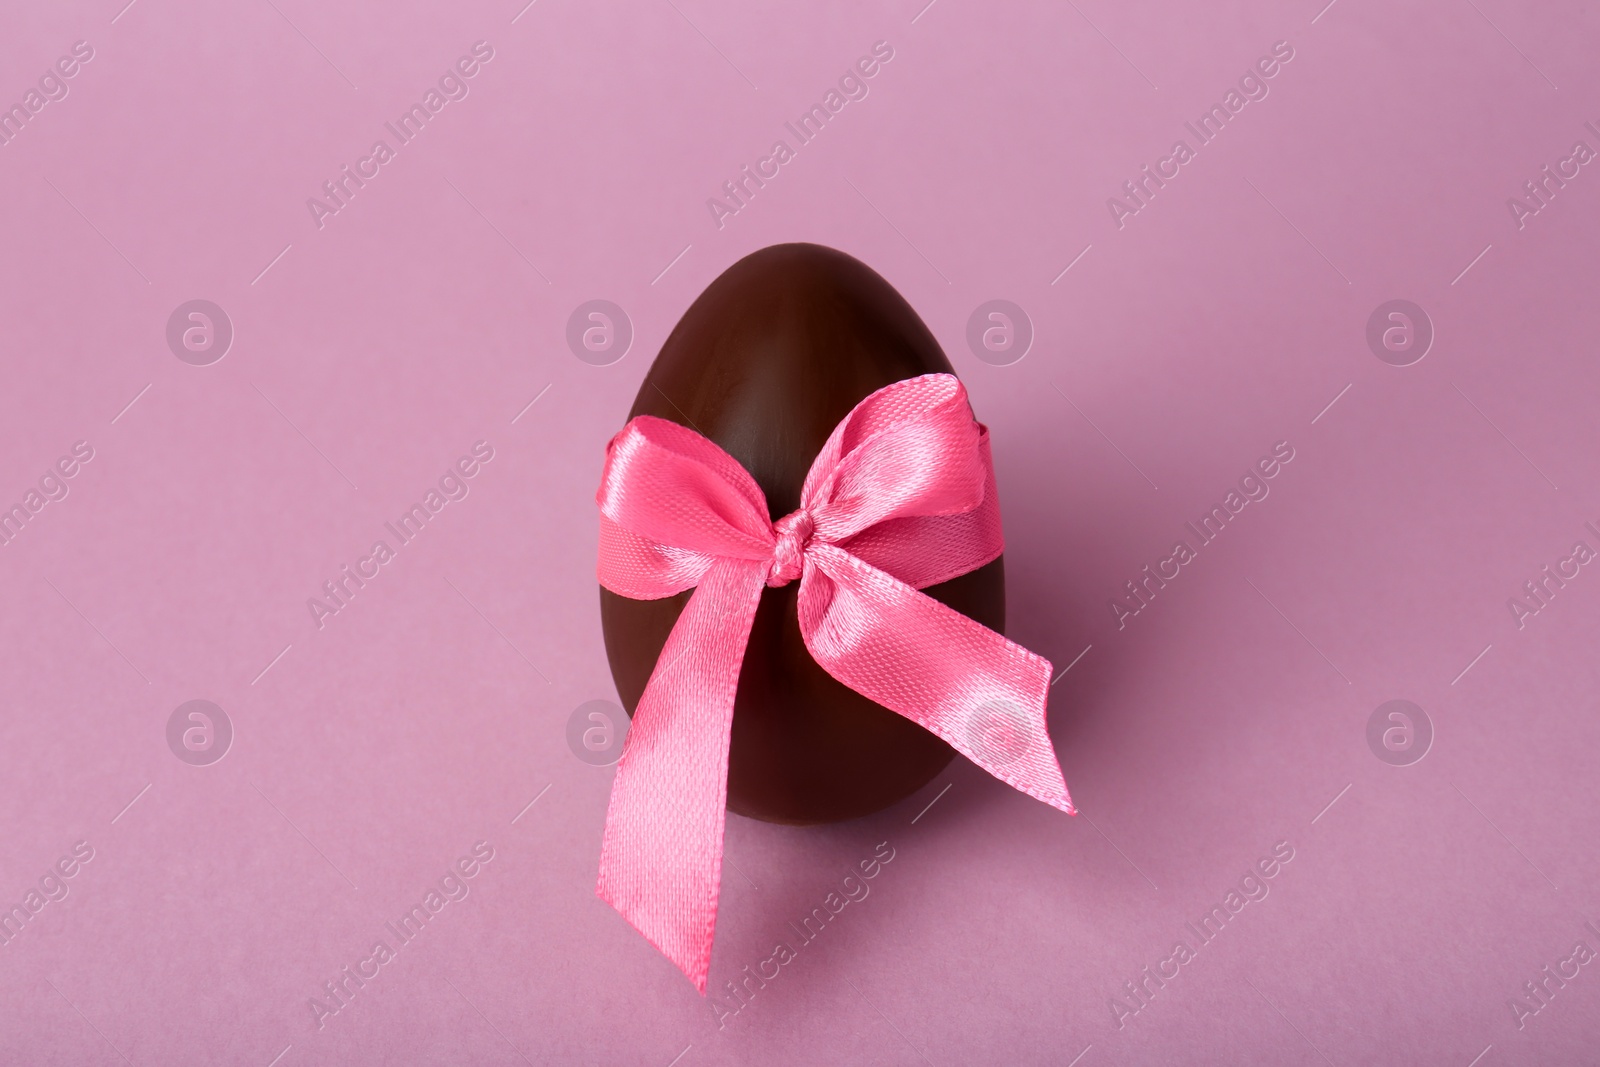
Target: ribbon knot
(788, 555)
(901, 497)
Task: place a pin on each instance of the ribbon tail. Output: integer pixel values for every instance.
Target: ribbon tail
(957, 678)
(661, 859)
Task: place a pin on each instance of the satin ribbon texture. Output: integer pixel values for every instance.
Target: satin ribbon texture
(901, 497)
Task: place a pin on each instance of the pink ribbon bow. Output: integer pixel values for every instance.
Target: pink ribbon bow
(900, 498)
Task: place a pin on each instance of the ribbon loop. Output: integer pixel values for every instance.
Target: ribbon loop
(899, 498)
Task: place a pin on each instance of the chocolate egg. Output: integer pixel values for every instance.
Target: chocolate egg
(766, 362)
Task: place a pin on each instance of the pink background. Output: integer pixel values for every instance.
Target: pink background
(372, 352)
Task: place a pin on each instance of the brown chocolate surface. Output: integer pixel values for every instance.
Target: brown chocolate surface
(766, 362)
